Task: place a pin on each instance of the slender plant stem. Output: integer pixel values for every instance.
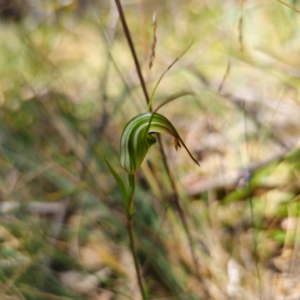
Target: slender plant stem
(132, 184)
(162, 76)
(130, 216)
(290, 6)
(182, 217)
(136, 264)
(132, 179)
(131, 46)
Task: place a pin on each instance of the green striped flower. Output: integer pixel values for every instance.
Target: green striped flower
(137, 138)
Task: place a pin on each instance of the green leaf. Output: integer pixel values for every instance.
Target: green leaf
(120, 182)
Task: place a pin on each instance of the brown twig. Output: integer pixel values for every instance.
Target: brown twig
(225, 76)
(152, 56)
(182, 216)
(288, 5)
(131, 46)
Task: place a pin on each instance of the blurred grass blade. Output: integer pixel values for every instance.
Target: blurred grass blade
(164, 73)
(288, 5)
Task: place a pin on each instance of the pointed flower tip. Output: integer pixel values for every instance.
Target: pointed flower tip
(176, 143)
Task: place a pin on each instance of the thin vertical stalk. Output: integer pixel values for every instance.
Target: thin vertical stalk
(132, 179)
(182, 217)
(136, 263)
(131, 46)
(130, 216)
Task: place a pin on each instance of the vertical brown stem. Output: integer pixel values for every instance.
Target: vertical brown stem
(182, 217)
(129, 40)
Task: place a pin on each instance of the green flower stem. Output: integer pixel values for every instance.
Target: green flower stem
(130, 216)
(130, 204)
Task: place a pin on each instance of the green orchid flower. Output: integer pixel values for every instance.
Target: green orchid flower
(137, 138)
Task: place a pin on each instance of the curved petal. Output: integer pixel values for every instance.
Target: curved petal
(137, 139)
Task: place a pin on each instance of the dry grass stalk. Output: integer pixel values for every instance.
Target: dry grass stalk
(288, 5)
(240, 27)
(224, 77)
(132, 49)
(153, 45)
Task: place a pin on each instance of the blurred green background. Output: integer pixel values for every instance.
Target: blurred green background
(68, 86)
